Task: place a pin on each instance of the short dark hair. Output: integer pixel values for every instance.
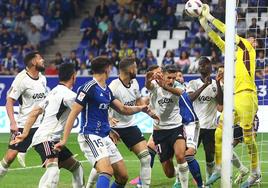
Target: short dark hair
(204, 59)
(125, 63)
(99, 64)
(66, 70)
(152, 67)
(29, 57)
(169, 69)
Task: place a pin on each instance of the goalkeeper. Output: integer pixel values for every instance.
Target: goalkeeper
(245, 94)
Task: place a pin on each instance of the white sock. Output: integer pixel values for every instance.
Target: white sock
(3, 168)
(236, 161)
(183, 172)
(92, 179)
(21, 159)
(176, 174)
(78, 177)
(145, 171)
(51, 177)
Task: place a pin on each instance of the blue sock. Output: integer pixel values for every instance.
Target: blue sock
(117, 185)
(152, 154)
(194, 169)
(103, 180)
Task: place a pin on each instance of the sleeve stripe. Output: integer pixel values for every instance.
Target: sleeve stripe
(89, 85)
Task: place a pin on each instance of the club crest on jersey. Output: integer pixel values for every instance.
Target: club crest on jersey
(81, 96)
(214, 89)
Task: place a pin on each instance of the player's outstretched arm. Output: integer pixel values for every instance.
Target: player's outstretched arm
(76, 109)
(148, 80)
(126, 110)
(10, 112)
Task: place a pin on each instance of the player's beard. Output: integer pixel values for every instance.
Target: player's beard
(132, 75)
(40, 68)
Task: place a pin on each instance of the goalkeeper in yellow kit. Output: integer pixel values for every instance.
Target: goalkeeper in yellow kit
(245, 95)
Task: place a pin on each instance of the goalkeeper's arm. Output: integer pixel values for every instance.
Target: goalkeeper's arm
(218, 24)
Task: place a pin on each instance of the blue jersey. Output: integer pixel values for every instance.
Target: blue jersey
(186, 109)
(96, 101)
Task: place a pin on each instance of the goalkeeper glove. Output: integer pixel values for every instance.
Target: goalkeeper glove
(204, 23)
(206, 13)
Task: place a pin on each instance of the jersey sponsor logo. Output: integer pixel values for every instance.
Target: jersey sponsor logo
(165, 100)
(81, 96)
(104, 106)
(39, 95)
(130, 103)
(204, 98)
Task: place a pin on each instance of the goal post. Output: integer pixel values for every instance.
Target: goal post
(229, 70)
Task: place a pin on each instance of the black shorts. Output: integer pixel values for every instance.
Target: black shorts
(46, 151)
(130, 135)
(165, 140)
(207, 137)
(238, 133)
(24, 145)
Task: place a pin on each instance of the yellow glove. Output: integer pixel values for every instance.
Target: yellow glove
(204, 23)
(206, 13)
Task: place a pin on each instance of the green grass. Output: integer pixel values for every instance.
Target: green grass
(29, 177)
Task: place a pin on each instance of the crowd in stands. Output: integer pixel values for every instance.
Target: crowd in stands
(27, 25)
(119, 30)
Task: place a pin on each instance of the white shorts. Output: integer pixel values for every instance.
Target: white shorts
(192, 133)
(96, 148)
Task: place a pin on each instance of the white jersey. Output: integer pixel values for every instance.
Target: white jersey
(128, 96)
(29, 92)
(56, 107)
(205, 106)
(166, 106)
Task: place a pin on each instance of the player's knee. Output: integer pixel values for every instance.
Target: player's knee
(145, 158)
(122, 178)
(107, 170)
(180, 157)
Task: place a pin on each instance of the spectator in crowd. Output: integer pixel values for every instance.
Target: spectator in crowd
(145, 28)
(103, 24)
(170, 19)
(74, 59)
(83, 71)
(241, 25)
(150, 59)
(88, 61)
(113, 8)
(88, 24)
(5, 40)
(58, 59)
(22, 21)
(184, 62)
(9, 65)
(111, 47)
(155, 21)
(120, 18)
(168, 58)
(9, 21)
(112, 36)
(193, 68)
(51, 70)
(201, 37)
(125, 51)
(254, 28)
(261, 64)
(57, 18)
(130, 27)
(115, 59)
(33, 37)
(101, 10)
(37, 19)
(134, 56)
(215, 61)
(20, 39)
(142, 69)
(141, 49)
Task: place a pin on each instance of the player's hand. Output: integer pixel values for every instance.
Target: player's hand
(219, 76)
(113, 121)
(114, 136)
(19, 138)
(59, 145)
(149, 76)
(13, 127)
(151, 113)
(205, 10)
